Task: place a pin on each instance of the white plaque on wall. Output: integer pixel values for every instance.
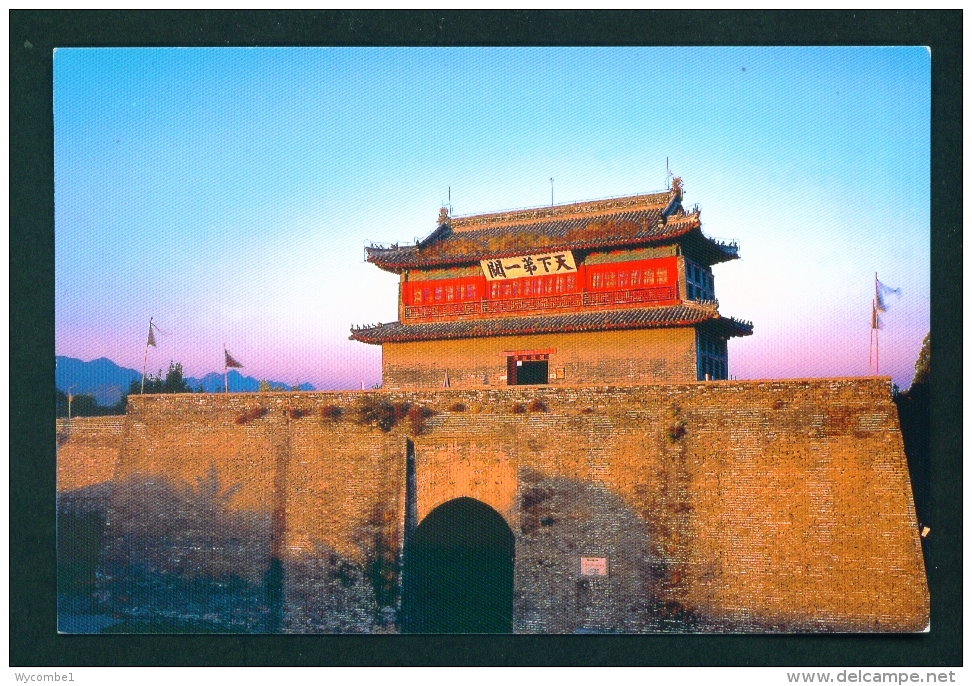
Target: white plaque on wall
(594, 566)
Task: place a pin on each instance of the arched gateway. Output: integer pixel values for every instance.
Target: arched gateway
(458, 571)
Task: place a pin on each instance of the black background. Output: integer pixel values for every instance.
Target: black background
(33, 637)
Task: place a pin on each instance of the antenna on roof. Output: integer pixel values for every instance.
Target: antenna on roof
(668, 175)
(551, 191)
(450, 201)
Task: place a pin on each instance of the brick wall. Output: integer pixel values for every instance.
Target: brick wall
(87, 451)
(721, 506)
(647, 355)
(87, 455)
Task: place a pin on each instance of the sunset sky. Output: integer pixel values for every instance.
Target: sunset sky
(229, 193)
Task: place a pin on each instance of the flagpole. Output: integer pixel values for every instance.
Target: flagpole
(145, 359)
(877, 353)
(878, 306)
(877, 335)
(870, 344)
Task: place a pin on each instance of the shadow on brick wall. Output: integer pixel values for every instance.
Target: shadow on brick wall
(325, 592)
(176, 558)
(80, 533)
(564, 519)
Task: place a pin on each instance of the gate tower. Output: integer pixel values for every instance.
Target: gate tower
(607, 291)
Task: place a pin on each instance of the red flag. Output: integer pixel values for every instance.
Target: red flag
(151, 336)
(230, 362)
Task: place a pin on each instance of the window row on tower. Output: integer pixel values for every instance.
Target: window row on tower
(699, 284)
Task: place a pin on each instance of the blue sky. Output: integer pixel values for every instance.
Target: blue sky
(229, 192)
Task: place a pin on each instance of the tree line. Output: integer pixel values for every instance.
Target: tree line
(86, 405)
(174, 381)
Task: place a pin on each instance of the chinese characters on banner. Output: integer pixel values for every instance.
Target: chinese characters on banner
(529, 265)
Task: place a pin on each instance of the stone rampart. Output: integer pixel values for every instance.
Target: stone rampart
(719, 506)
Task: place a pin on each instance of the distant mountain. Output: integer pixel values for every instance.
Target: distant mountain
(102, 378)
(107, 382)
(213, 383)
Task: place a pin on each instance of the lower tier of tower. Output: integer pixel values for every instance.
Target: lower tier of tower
(670, 355)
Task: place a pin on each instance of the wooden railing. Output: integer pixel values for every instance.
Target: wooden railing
(446, 310)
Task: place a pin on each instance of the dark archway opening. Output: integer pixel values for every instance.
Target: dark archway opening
(458, 571)
(526, 372)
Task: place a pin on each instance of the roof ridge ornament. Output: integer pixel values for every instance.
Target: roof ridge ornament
(675, 201)
(677, 187)
(443, 215)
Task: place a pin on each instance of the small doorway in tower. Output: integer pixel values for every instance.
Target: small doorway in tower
(527, 369)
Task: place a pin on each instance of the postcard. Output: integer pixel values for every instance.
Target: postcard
(492, 340)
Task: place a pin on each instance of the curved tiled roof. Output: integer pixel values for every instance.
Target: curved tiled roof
(630, 221)
(683, 314)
